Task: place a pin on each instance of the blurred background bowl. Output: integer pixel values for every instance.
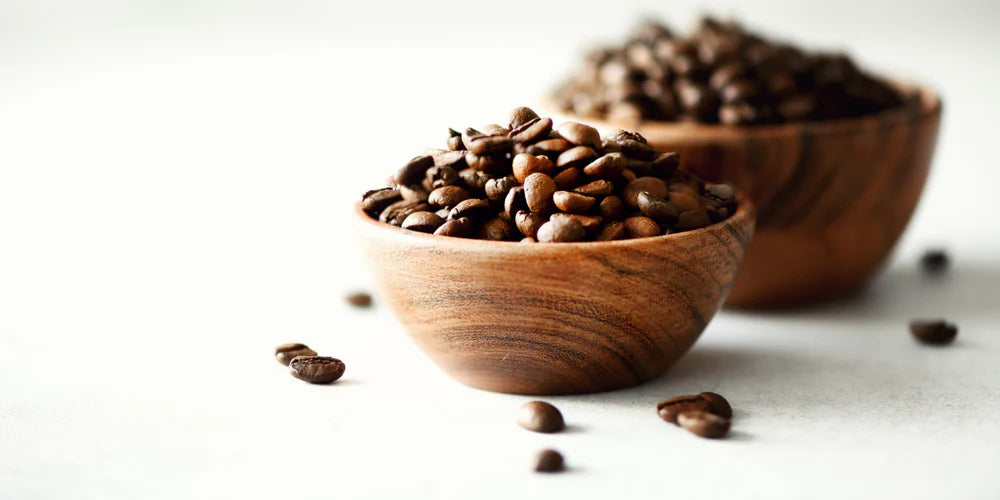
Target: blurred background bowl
(556, 318)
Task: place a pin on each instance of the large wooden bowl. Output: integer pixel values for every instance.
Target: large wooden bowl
(556, 318)
(832, 197)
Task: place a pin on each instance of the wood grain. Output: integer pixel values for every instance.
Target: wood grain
(556, 318)
(832, 197)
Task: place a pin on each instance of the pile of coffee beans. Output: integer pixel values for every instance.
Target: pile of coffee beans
(707, 414)
(531, 182)
(304, 364)
(721, 73)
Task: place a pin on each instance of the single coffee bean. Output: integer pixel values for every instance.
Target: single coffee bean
(612, 231)
(376, 200)
(538, 191)
(540, 416)
(424, 222)
(664, 165)
(455, 140)
(670, 409)
(496, 229)
(473, 209)
(413, 194)
(446, 158)
(607, 166)
(447, 196)
(580, 134)
(359, 299)
(652, 185)
(528, 223)
(525, 164)
(704, 424)
(596, 189)
(693, 219)
(413, 171)
(571, 202)
(515, 202)
(439, 177)
(591, 223)
(396, 213)
(285, 352)
(656, 208)
(576, 157)
(532, 131)
(458, 228)
(935, 332)
(561, 229)
(722, 192)
(684, 201)
(497, 189)
(475, 181)
(636, 149)
(549, 147)
(568, 178)
(934, 261)
(483, 144)
(717, 404)
(611, 207)
(549, 461)
(316, 369)
(486, 163)
(641, 227)
(495, 129)
(621, 135)
(520, 116)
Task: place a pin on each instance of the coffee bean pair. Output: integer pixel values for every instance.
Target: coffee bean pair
(707, 414)
(539, 416)
(721, 73)
(531, 182)
(304, 364)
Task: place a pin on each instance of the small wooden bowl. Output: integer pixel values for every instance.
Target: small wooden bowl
(556, 318)
(832, 197)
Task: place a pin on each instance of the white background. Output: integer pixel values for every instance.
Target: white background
(175, 186)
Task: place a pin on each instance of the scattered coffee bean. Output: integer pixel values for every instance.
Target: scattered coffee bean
(549, 461)
(935, 261)
(540, 416)
(935, 332)
(717, 404)
(704, 424)
(359, 299)
(285, 352)
(316, 369)
(670, 409)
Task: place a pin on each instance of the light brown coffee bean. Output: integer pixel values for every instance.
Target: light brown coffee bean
(652, 185)
(285, 352)
(484, 145)
(538, 191)
(528, 223)
(532, 131)
(580, 134)
(704, 424)
(497, 189)
(608, 166)
(576, 157)
(316, 369)
(611, 207)
(540, 416)
(641, 227)
(612, 231)
(670, 409)
(562, 229)
(458, 228)
(549, 147)
(496, 229)
(525, 164)
(424, 222)
(359, 299)
(520, 116)
(571, 202)
(568, 179)
(591, 223)
(447, 196)
(595, 189)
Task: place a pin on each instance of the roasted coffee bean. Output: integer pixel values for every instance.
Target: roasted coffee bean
(439, 177)
(704, 424)
(934, 261)
(613, 231)
(532, 131)
(653, 185)
(514, 202)
(495, 129)
(442, 213)
(359, 299)
(316, 369)
(591, 223)
(611, 207)
(496, 229)
(670, 409)
(683, 201)
(641, 227)
(580, 134)
(528, 239)
(396, 213)
(571, 202)
(446, 158)
(285, 352)
(636, 149)
(538, 191)
(568, 178)
(664, 165)
(622, 135)
(595, 189)
(459, 228)
(717, 404)
(425, 222)
(455, 140)
(520, 116)
(475, 181)
(656, 208)
(376, 200)
(528, 223)
(549, 461)
(413, 171)
(447, 196)
(693, 219)
(576, 157)
(497, 189)
(698, 101)
(473, 209)
(561, 229)
(549, 147)
(608, 166)
(540, 416)
(486, 163)
(413, 194)
(935, 332)
(525, 164)
(482, 144)
(722, 192)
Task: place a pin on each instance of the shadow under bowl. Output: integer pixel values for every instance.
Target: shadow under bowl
(832, 197)
(556, 318)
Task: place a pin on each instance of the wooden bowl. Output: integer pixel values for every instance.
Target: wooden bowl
(556, 318)
(832, 197)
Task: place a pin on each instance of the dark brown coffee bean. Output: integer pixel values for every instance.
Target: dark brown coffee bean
(657, 208)
(497, 189)
(693, 219)
(528, 223)
(455, 140)
(608, 166)
(532, 131)
(396, 213)
(595, 189)
(447, 196)
(641, 227)
(540, 416)
(717, 404)
(473, 209)
(611, 207)
(439, 177)
(704, 424)
(514, 202)
(580, 134)
(571, 202)
(413, 171)
(285, 352)
(670, 409)
(458, 228)
(722, 192)
(475, 181)
(935, 261)
(622, 135)
(637, 150)
(652, 185)
(520, 116)
(591, 223)
(316, 369)
(561, 229)
(612, 231)
(488, 164)
(640, 168)
(414, 194)
(549, 461)
(359, 299)
(568, 179)
(549, 147)
(424, 222)
(481, 144)
(664, 165)
(376, 200)
(453, 159)
(683, 201)
(576, 157)
(496, 229)
(935, 332)
(525, 164)
(538, 190)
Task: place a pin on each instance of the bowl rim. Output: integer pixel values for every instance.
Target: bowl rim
(930, 104)
(745, 216)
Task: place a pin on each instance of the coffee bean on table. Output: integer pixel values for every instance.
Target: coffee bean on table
(316, 369)
(670, 409)
(934, 332)
(704, 424)
(935, 261)
(717, 404)
(540, 416)
(359, 299)
(549, 461)
(285, 352)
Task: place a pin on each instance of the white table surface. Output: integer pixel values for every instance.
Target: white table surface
(174, 197)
